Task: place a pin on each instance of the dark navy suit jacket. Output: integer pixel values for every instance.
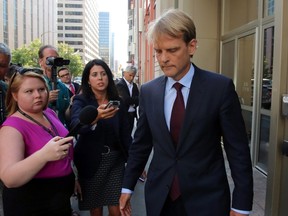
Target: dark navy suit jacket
(213, 111)
(125, 94)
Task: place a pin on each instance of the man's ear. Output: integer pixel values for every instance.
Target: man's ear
(40, 61)
(192, 46)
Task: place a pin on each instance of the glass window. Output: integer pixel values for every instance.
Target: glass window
(267, 68)
(228, 59)
(244, 78)
(245, 69)
(238, 13)
(268, 8)
(266, 85)
(262, 161)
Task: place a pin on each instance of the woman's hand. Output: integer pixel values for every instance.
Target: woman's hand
(105, 113)
(57, 148)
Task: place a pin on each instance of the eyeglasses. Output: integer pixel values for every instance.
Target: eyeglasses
(22, 71)
(64, 75)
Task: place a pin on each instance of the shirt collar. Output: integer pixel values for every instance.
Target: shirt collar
(185, 81)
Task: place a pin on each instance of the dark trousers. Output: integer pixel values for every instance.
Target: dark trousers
(172, 208)
(131, 117)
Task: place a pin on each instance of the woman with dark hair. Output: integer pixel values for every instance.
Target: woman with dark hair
(102, 147)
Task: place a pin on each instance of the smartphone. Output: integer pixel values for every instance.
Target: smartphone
(114, 103)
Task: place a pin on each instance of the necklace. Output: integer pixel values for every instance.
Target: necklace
(53, 131)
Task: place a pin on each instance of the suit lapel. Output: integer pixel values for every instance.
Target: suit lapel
(158, 107)
(126, 86)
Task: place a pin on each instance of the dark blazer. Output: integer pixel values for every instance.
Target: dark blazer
(76, 86)
(87, 152)
(123, 91)
(212, 111)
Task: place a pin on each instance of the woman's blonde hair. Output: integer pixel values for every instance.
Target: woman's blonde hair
(14, 86)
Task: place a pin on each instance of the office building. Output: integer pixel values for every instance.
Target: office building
(27, 20)
(77, 26)
(104, 37)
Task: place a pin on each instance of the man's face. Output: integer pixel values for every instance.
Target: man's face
(48, 52)
(4, 65)
(65, 76)
(173, 55)
(129, 76)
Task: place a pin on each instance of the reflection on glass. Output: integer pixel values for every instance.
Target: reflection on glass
(269, 8)
(245, 70)
(264, 142)
(267, 68)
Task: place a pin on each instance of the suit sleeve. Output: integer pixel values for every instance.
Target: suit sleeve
(237, 149)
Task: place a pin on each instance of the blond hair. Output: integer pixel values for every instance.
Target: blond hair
(174, 23)
(14, 86)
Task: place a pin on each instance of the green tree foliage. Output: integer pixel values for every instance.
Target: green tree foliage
(27, 56)
(76, 63)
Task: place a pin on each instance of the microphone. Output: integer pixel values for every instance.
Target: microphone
(86, 117)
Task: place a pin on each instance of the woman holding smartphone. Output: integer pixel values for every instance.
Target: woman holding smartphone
(35, 156)
(102, 147)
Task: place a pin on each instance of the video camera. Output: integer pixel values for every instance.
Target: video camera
(57, 61)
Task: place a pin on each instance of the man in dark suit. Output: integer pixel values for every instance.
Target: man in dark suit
(73, 89)
(129, 92)
(66, 78)
(187, 173)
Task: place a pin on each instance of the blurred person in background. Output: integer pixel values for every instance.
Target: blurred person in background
(129, 92)
(36, 165)
(60, 96)
(5, 59)
(66, 78)
(101, 150)
(74, 88)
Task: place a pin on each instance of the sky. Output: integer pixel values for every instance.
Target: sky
(118, 17)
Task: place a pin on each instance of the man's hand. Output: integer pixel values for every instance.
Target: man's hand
(53, 95)
(125, 205)
(233, 213)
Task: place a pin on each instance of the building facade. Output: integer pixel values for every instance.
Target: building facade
(75, 23)
(247, 41)
(104, 36)
(27, 20)
(77, 26)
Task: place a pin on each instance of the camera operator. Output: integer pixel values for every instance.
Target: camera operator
(60, 96)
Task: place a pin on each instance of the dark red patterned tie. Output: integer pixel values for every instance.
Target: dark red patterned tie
(176, 121)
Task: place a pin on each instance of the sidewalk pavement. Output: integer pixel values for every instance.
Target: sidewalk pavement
(138, 203)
